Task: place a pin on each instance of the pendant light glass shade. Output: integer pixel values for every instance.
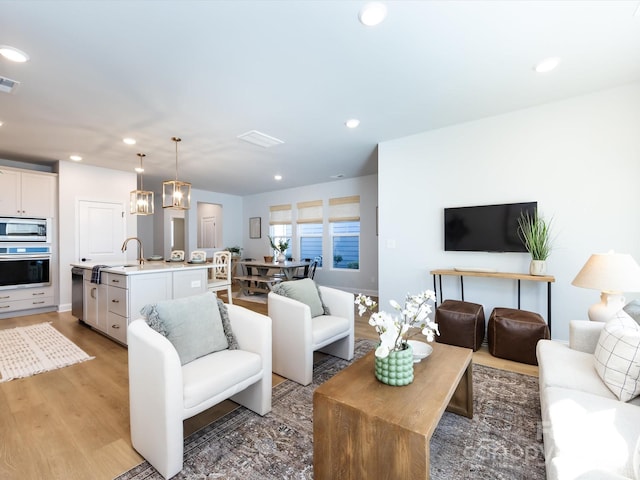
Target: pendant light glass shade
(141, 202)
(176, 194)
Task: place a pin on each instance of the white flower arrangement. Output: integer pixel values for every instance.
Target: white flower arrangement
(393, 329)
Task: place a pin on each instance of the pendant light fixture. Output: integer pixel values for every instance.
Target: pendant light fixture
(176, 194)
(141, 200)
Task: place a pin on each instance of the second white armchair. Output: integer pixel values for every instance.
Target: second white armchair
(297, 334)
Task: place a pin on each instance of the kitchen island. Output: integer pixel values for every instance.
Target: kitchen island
(124, 289)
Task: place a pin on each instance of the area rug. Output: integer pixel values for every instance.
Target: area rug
(25, 351)
(502, 441)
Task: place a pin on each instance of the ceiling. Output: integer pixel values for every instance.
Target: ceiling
(208, 71)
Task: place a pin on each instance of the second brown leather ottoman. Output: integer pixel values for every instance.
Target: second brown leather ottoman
(460, 323)
(513, 334)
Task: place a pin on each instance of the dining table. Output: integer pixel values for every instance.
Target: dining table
(287, 268)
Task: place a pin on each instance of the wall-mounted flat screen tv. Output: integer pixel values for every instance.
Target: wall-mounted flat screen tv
(485, 228)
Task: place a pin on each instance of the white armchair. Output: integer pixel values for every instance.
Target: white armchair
(162, 392)
(296, 335)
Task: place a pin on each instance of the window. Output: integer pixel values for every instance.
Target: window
(310, 237)
(280, 225)
(344, 216)
(310, 229)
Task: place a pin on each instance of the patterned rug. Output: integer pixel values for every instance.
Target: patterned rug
(25, 351)
(502, 441)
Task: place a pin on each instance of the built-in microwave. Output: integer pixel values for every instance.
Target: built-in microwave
(25, 229)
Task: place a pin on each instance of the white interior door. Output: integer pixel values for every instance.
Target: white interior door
(208, 229)
(101, 231)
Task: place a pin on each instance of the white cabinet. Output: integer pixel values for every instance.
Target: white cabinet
(189, 282)
(27, 194)
(110, 306)
(25, 299)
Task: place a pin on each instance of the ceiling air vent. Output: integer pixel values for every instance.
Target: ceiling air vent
(7, 85)
(260, 139)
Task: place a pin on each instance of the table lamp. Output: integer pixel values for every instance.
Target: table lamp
(611, 273)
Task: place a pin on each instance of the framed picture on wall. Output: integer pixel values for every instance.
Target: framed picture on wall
(255, 227)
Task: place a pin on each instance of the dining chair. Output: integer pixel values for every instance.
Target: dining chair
(221, 274)
(307, 271)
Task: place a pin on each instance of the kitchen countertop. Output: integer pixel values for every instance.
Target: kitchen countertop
(132, 267)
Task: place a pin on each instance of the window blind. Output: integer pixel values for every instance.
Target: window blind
(309, 212)
(344, 209)
(280, 214)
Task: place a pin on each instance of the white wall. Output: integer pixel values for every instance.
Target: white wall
(578, 158)
(363, 280)
(230, 218)
(77, 181)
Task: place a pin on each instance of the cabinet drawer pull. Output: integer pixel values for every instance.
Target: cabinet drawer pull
(38, 303)
(6, 296)
(115, 281)
(37, 293)
(115, 326)
(5, 306)
(115, 301)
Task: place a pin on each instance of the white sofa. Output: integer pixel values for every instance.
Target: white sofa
(588, 433)
(163, 393)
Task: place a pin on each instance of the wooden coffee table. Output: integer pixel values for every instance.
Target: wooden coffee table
(363, 428)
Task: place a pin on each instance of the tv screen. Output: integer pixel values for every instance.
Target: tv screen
(485, 228)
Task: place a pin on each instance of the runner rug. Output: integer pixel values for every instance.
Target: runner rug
(25, 351)
(502, 441)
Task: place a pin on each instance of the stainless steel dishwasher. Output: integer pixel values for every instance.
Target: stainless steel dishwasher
(77, 286)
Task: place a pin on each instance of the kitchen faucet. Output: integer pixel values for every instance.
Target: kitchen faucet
(140, 250)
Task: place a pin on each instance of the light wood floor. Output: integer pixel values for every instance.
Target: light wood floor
(73, 423)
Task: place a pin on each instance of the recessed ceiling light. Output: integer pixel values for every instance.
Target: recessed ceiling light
(277, 177)
(352, 123)
(129, 141)
(13, 54)
(75, 158)
(339, 175)
(547, 64)
(372, 14)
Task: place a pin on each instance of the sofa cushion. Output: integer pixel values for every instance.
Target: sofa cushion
(617, 356)
(584, 432)
(304, 291)
(561, 366)
(192, 324)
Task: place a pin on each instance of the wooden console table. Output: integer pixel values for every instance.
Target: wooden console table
(513, 276)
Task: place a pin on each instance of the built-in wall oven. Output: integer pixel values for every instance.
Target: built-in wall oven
(24, 266)
(25, 229)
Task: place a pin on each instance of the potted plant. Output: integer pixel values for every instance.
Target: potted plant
(394, 354)
(280, 247)
(235, 251)
(535, 233)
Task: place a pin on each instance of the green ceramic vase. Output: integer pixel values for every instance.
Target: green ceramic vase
(397, 368)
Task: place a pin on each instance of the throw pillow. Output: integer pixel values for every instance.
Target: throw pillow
(617, 356)
(305, 291)
(192, 324)
(226, 325)
(633, 310)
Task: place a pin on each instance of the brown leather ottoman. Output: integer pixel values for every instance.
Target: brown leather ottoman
(513, 334)
(460, 323)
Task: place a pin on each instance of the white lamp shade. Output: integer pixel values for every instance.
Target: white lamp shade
(609, 272)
